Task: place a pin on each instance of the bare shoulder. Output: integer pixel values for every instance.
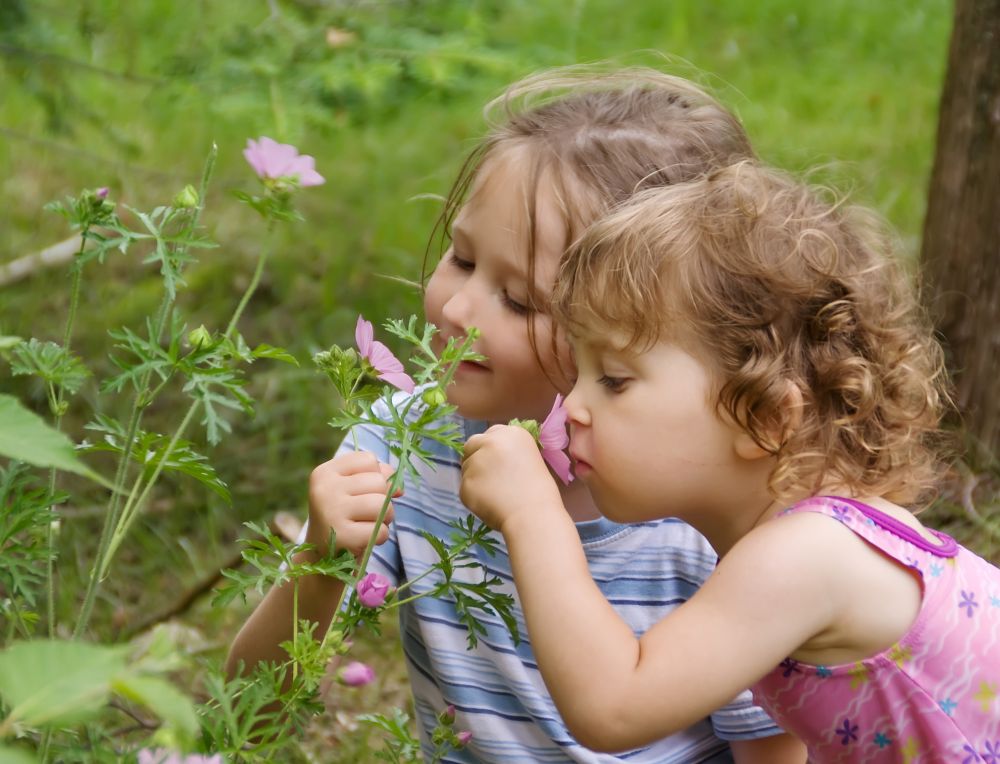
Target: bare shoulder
(794, 551)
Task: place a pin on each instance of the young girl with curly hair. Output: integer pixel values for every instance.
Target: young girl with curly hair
(753, 361)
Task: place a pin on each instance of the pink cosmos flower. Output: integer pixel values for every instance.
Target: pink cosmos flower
(553, 439)
(464, 737)
(387, 366)
(163, 756)
(355, 674)
(272, 160)
(372, 589)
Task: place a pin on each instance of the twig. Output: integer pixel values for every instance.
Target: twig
(186, 600)
(968, 486)
(57, 254)
(143, 723)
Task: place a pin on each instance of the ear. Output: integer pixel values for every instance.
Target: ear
(788, 420)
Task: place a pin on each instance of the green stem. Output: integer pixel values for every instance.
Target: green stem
(295, 628)
(130, 510)
(251, 288)
(50, 536)
(394, 484)
(141, 400)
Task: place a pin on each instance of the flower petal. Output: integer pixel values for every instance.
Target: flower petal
(372, 589)
(559, 462)
(363, 334)
(304, 170)
(382, 358)
(254, 156)
(279, 158)
(398, 379)
(355, 674)
(552, 434)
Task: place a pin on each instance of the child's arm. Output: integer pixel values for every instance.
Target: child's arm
(613, 690)
(777, 749)
(345, 495)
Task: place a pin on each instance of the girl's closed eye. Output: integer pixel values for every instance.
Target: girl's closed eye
(514, 306)
(614, 384)
(459, 262)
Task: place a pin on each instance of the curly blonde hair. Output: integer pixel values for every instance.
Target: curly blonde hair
(773, 284)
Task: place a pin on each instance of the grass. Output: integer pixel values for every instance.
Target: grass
(132, 95)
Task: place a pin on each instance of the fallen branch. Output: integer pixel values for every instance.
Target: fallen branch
(283, 523)
(185, 601)
(50, 257)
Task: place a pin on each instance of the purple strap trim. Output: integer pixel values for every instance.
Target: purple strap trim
(948, 547)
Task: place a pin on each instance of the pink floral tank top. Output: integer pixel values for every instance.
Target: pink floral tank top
(934, 696)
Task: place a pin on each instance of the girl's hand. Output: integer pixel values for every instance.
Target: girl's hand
(504, 475)
(345, 496)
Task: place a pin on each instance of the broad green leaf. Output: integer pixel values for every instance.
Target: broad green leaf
(26, 437)
(162, 698)
(9, 755)
(57, 682)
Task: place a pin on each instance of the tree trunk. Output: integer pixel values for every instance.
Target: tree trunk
(961, 244)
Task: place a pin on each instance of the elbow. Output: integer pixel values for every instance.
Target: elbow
(601, 728)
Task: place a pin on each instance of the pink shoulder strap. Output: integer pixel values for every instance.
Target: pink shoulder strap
(872, 524)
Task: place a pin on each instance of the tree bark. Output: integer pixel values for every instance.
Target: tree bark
(961, 242)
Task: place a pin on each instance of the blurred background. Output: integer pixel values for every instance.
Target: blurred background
(388, 96)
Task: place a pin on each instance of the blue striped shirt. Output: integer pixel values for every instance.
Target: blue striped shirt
(645, 570)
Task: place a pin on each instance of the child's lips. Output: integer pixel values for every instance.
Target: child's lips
(472, 366)
(580, 466)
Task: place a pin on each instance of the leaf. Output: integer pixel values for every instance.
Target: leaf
(149, 448)
(162, 698)
(57, 682)
(10, 755)
(51, 362)
(275, 354)
(26, 437)
(8, 341)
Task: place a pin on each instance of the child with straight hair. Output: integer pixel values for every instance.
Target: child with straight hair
(569, 146)
(752, 361)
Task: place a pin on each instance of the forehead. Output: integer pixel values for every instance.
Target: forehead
(518, 195)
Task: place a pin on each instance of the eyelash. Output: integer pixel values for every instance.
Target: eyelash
(511, 304)
(614, 384)
(514, 306)
(462, 265)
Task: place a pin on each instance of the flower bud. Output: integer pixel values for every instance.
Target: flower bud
(101, 193)
(527, 424)
(434, 396)
(447, 717)
(199, 337)
(464, 737)
(186, 198)
(356, 674)
(372, 589)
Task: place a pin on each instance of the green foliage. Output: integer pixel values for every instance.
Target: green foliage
(26, 437)
(53, 363)
(151, 450)
(58, 683)
(25, 515)
(401, 746)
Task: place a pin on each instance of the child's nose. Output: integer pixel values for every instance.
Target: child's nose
(459, 308)
(576, 412)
